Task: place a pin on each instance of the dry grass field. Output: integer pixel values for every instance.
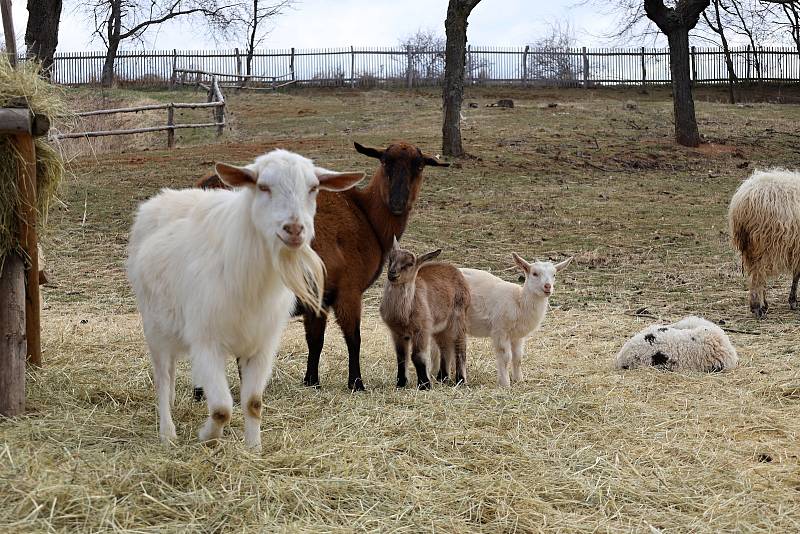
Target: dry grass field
(576, 447)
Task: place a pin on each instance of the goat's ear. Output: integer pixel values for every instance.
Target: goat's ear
(433, 162)
(235, 176)
(523, 265)
(429, 256)
(337, 181)
(563, 264)
(370, 152)
(395, 244)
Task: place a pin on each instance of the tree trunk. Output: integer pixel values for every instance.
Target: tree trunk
(13, 346)
(453, 92)
(41, 34)
(113, 38)
(686, 132)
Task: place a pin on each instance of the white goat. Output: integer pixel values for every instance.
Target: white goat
(214, 274)
(508, 313)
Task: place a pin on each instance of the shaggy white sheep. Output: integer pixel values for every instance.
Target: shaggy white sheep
(691, 344)
(764, 221)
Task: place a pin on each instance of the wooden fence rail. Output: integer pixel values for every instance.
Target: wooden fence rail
(368, 66)
(216, 103)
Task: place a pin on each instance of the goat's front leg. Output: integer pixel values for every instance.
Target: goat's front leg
(256, 373)
(517, 349)
(164, 380)
(208, 371)
(315, 339)
(401, 351)
(420, 357)
(348, 315)
(502, 351)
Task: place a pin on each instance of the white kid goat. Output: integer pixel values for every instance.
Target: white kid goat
(216, 273)
(508, 313)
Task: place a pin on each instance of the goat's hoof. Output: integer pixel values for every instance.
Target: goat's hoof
(356, 385)
(401, 384)
(461, 382)
(198, 395)
(309, 383)
(442, 378)
(760, 312)
(424, 386)
(792, 304)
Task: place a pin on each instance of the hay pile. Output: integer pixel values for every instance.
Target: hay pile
(18, 87)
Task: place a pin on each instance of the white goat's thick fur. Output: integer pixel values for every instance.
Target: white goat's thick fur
(214, 277)
(691, 344)
(764, 222)
(508, 313)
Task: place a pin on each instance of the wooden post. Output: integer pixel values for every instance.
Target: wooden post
(644, 73)
(171, 122)
(27, 233)
(525, 64)
(352, 66)
(174, 76)
(13, 346)
(8, 30)
(585, 56)
(291, 64)
(409, 68)
(238, 64)
(470, 72)
(694, 65)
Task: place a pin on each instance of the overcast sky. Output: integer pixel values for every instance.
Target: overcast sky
(328, 23)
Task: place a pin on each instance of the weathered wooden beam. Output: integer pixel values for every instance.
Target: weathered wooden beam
(8, 30)
(181, 105)
(26, 182)
(137, 130)
(15, 121)
(13, 346)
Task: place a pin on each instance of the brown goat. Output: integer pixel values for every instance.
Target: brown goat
(353, 238)
(424, 301)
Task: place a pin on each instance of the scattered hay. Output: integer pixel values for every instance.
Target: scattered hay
(19, 86)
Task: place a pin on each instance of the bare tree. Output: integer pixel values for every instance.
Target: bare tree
(426, 50)
(455, 58)
(718, 24)
(115, 21)
(790, 9)
(551, 59)
(748, 21)
(251, 16)
(41, 33)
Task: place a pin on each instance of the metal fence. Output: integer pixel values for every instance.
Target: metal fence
(373, 66)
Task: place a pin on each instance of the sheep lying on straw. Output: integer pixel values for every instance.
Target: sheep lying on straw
(764, 221)
(691, 344)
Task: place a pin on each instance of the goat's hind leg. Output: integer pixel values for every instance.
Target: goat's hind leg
(793, 291)
(164, 381)
(208, 370)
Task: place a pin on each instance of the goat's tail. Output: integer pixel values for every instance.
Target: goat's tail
(303, 272)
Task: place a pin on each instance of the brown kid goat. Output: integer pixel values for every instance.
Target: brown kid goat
(425, 301)
(353, 238)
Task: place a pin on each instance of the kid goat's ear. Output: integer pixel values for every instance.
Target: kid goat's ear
(429, 256)
(367, 151)
(564, 263)
(433, 162)
(523, 265)
(337, 181)
(235, 176)
(395, 244)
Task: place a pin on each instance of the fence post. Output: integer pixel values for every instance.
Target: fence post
(238, 64)
(644, 73)
(13, 345)
(352, 66)
(525, 64)
(171, 122)
(585, 68)
(174, 76)
(409, 68)
(291, 64)
(470, 74)
(694, 64)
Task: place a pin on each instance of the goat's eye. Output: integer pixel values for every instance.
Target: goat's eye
(313, 189)
(264, 188)
(535, 274)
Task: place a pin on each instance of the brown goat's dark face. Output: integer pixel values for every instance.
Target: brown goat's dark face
(402, 165)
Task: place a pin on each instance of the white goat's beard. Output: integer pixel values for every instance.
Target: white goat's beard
(303, 272)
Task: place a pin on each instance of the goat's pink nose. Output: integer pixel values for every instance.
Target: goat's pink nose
(548, 287)
(293, 229)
